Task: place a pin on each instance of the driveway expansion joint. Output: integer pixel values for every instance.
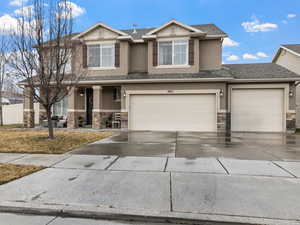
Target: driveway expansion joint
(294, 176)
(115, 160)
(227, 172)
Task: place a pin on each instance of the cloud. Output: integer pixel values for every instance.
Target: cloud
(232, 58)
(256, 26)
(258, 55)
(8, 24)
(18, 2)
(73, 8)
(230, 43)
(262, 55)
(249, 56)
(291, 15)
(25, 11)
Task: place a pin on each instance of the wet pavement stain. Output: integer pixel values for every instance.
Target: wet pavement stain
(89, 165)
(38, 196)
(73, 178)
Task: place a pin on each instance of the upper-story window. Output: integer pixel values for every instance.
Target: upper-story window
(173, 52)
(101, 55)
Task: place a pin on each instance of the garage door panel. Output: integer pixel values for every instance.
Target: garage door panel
(257, 110)
(173, 112)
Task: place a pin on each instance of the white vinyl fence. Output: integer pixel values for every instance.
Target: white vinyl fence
(13, 114)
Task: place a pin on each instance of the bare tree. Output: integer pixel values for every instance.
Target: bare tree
(41, 50)
(3, 72)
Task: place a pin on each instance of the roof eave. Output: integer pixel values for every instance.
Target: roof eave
(263, 80)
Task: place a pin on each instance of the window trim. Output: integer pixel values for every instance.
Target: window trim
(186, 65)
(101, 67)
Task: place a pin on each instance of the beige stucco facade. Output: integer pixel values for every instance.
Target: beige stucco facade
(291, 61)
(101, 98)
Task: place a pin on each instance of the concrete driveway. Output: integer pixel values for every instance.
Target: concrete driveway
(257, 146)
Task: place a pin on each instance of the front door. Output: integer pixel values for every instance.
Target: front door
(89, 106)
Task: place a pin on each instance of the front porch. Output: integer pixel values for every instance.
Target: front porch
(97, 107)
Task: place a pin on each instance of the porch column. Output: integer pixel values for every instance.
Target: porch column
(42, 111)
(97, 107)
(28, 110)
(72, 105)
(124, 110)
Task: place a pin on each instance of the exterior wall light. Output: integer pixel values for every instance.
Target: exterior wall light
(291, 94)
(81, 93)
(124, 94)
(221, 92)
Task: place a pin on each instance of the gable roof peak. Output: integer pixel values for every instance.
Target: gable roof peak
(100, 24)
(174, 21)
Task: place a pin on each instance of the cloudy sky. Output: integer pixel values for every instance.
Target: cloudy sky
(256, 28)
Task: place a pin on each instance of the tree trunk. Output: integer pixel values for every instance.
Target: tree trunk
(1, 111)
(50, 125)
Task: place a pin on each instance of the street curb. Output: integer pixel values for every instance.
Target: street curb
(103, 212)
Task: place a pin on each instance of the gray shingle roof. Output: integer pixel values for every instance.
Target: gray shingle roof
(222, 73)
(210, 29)
(228, 72)
(259, 71)
(293, 47)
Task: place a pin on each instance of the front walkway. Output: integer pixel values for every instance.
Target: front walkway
(202, 188)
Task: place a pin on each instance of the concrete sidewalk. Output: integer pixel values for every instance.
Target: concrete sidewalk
(199, 189)
(19, 219)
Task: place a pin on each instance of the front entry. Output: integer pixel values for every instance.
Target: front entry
(89, 106)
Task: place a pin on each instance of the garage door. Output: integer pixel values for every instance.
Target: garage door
(189, 112)
(257, 110)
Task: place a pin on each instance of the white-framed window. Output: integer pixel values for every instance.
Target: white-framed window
(173, 52)
(60, 108)
(101, 55)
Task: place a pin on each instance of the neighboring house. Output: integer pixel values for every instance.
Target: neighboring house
(288, 56)
(172, 78)
(5, 101)
(12, 97)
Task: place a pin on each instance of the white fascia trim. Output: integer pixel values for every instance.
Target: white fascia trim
(125, 38)
(266, 80)
(149, 36)
(157, 81)
(76, 110)
(284, 48)
(138, 41)
(213, 36)
(291, 51)
(175, 22)
(97, 25)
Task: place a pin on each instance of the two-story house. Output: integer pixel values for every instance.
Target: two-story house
(172, 78)
(288, 56)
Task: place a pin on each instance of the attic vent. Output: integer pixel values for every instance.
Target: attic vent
(134, 28)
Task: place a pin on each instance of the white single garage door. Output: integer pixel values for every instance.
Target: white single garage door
(257, 110)
(185, 112)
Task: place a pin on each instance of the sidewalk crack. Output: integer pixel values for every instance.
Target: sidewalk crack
(171, 198)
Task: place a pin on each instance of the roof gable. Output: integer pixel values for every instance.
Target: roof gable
(293, 49)
(174, 22)
(96, 30)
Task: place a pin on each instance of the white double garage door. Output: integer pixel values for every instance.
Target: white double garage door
(259, 110)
